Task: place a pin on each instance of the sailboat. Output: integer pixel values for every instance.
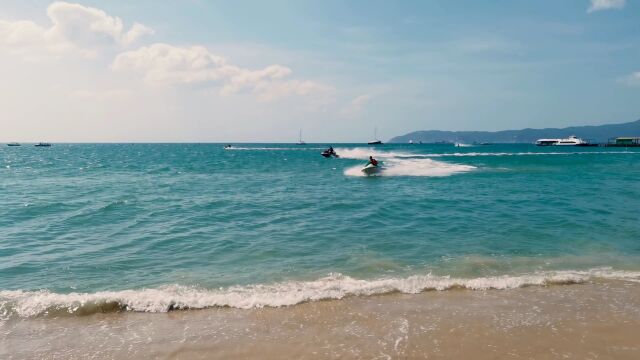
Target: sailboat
(375, 137)
(300, 142)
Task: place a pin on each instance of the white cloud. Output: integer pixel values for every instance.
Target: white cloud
(632, 79)
(597, 5)
(20, 33)
(137, 31)
(196, 65)
(19, 37)
(73, 26)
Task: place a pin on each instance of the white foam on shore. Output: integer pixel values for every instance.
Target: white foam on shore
(334, 286)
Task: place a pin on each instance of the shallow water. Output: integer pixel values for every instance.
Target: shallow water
(153, 227)
(589, 321)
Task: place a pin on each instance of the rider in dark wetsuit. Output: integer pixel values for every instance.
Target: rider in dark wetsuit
(330, 152)
(372, 161)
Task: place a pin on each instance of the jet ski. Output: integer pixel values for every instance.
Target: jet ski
(370, 169)
(327, 153)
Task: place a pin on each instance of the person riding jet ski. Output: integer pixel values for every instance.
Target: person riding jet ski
(329, 152)
(371, 167)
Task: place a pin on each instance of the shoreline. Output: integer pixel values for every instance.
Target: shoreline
(335, 286)
(590, 320)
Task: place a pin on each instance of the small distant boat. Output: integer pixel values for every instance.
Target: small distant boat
(42, 144)
(300, 142)
(375, 137)
(570, 141)
(13, 144)
(410, 141)
(229, 146)
(462, 145)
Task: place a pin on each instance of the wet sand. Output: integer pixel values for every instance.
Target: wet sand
(587, 321)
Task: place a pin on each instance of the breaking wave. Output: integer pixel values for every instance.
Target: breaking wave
(335, 286)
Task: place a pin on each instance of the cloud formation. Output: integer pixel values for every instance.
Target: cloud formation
(196, 65)
(632, 79)
(597, 5)
(73, 26)
(83, 30)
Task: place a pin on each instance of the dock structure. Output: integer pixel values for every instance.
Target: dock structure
(625, 141)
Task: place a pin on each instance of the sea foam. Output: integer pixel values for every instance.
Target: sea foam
(401, 163)
(334, 286)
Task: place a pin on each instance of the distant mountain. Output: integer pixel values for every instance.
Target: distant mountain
(600, 133)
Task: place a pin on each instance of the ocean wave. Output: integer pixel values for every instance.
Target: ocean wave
(335, 286)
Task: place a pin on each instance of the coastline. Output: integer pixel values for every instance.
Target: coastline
(597, 319)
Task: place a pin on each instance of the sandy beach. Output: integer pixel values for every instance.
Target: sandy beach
(586, 321)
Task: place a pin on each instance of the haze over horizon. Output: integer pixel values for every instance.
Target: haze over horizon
(213, 71)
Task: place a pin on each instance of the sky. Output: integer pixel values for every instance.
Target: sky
(260, 71)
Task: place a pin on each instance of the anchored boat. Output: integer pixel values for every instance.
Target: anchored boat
(375, 137)
(300, 142)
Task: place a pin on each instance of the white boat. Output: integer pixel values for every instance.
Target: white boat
(370, 169)
(300, 142)
(570, 141)
(375, 136)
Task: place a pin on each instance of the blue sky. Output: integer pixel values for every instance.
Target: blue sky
(260, 70)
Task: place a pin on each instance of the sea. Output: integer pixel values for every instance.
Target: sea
(155, 228)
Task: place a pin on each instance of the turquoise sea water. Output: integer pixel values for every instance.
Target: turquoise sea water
(156, 226)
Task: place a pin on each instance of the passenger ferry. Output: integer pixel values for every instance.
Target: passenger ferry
(570, 141)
